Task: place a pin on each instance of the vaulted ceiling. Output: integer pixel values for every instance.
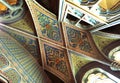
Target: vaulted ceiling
(61, 49)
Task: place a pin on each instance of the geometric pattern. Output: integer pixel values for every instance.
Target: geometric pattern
(22, 60)
(56, 41)
(55, 59)
(29, 43)
(56, 47)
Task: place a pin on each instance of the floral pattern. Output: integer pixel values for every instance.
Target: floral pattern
(56, 59)
(49, 27)
(78, 40)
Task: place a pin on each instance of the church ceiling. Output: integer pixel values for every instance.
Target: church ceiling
(55, 39)
(60, 48)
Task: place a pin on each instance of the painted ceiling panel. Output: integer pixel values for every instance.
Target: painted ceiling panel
(21, 60)
(31, 44)
(59, 47)
(81, 41)
(49, 27)
(78, 40)
(46, 23)
(56, 60)
(108, 4)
